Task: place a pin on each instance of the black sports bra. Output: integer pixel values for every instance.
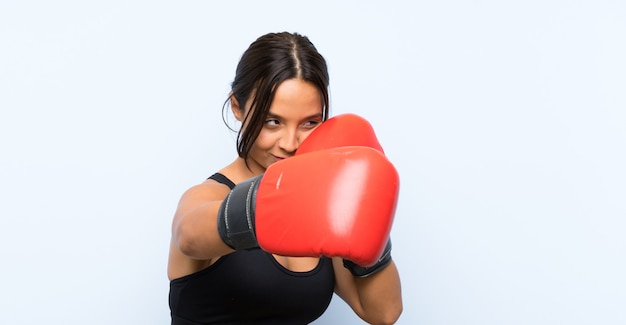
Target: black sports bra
(220, 178)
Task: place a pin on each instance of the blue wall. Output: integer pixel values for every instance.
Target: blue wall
(506, 121)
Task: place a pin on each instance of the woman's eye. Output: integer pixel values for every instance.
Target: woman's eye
(272, 122)
(311, 124)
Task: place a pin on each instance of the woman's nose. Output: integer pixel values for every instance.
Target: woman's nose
(289, 142)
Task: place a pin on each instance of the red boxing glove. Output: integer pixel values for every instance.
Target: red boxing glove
(347, 130)
(335, 202)
(341, 131)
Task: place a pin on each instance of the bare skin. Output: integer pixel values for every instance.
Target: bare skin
(294, 113)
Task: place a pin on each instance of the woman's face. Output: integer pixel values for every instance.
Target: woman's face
(295, 111)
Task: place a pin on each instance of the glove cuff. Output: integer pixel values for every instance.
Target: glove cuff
(363, 272)
(235, 219)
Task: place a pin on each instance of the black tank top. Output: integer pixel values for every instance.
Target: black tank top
(251, 287)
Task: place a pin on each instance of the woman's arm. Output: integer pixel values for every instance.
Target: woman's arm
(194, 229)
(377, 299)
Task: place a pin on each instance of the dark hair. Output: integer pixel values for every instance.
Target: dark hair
(270, 60)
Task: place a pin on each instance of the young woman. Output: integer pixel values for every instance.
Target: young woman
(280, 95)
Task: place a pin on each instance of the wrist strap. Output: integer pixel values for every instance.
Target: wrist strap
(363, 272)
(236, 216)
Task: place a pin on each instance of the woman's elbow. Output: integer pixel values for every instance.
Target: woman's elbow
(393, 315)
(389, 316)
(184, 240)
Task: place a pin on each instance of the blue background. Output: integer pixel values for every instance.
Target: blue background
(505, 119)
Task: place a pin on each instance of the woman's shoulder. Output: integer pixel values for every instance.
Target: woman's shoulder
(208, 190)
(216, 186)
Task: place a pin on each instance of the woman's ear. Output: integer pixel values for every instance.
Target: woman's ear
(236, 108)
